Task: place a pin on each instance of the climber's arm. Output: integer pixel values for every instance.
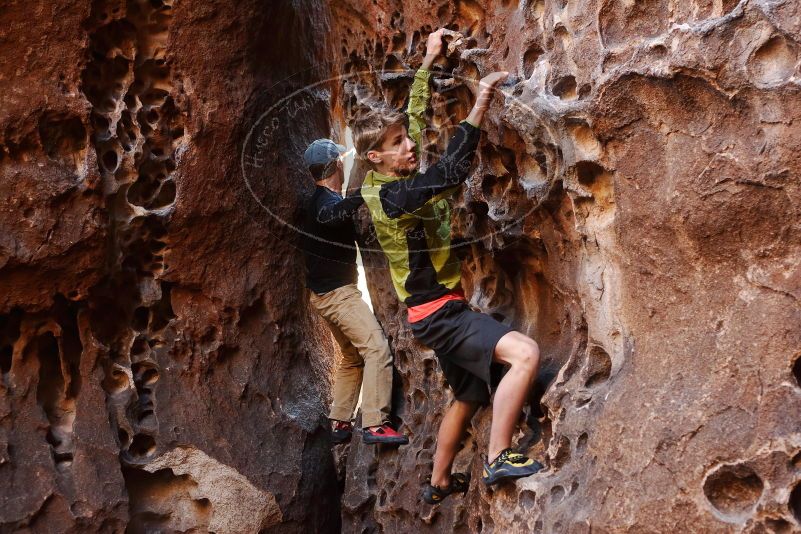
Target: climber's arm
(420, 93)
(407, 196)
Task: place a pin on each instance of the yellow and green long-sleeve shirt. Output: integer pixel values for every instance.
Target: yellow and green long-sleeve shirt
(411, 214)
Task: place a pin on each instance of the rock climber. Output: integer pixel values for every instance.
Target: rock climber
(411, 215)
(329, 246)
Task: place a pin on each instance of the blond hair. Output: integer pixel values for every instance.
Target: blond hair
(371, 125)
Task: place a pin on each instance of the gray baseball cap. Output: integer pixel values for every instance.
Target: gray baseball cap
(322, 152)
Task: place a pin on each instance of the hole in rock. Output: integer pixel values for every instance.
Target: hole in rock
(123, 437)
(795, 502)
(145, 373)
(100, 122)
(530, 60)
(562, 454)
(115, 381)
(139, 346)
(145, 414)
(622, 23)
(527, 499)
(565, 88)
(61, 135)
(774, 62)
(797, 370)
(165, 196)
(733, 489)
(142, 446)
(141, 317)
(599, 366)
(581, 444)
(165, 502)
(557, 494)
(110, 160)
(6, 352)
(779, 525)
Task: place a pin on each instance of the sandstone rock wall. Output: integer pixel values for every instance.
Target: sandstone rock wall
(159, 368)
(634, 209)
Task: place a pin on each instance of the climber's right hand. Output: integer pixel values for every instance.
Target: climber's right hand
(434, 43)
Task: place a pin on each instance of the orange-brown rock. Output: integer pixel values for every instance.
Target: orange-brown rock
(633, 208)
(159, 368)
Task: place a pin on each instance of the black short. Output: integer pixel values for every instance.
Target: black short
(464, 342)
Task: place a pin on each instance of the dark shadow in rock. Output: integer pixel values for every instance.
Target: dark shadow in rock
(599, 366)
(795, 502)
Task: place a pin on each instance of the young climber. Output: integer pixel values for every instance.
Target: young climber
(330, 253)
(411, 216)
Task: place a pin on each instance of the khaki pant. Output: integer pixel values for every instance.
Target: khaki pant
(365, 354)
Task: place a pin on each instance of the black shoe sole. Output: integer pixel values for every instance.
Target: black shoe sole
(510, 476)
(385, 441)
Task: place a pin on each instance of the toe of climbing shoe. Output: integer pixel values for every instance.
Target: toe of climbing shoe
(341, 431)
(383, 434)
(509, 465)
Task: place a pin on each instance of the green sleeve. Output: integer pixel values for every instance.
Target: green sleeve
(418, 103)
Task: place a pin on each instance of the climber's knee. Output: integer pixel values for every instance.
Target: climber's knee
(464, 409)
(519, 351)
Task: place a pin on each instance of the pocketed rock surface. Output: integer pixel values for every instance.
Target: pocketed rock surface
(633, 208)
(160, 370)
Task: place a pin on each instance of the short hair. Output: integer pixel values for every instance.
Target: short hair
(370, 127)
(323, 170)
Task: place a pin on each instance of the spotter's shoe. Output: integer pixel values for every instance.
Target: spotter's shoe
(509, 465)
(383, 434)
(341, 431)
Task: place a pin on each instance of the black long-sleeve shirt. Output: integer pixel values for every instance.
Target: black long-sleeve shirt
(407, 196)
(329, 241)
(412, 221)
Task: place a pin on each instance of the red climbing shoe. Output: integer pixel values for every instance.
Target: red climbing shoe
(383, 434)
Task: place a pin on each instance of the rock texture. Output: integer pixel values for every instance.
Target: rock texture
(633, 208)
(159, 368)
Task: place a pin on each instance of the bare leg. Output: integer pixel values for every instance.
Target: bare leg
(522, 353)
(451, 430)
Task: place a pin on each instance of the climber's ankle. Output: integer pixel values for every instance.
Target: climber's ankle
(493, 454)
(441, 481)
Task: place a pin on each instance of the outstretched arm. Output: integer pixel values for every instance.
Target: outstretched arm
(407, 196)
(420, 94)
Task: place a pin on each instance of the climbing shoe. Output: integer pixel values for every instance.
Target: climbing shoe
(341, 431)
(508, 465)
(460, 482)
(383, 434)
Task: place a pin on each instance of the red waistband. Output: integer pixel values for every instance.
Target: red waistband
(421, 311)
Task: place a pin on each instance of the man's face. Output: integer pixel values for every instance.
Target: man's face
(397, 152)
